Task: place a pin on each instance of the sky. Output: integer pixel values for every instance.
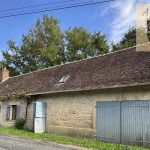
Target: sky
(111, 18)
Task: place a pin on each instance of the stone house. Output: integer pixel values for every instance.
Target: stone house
(71, 91)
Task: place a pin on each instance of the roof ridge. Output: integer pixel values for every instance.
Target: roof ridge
(104, 73)
(102, 54)
(75, 61)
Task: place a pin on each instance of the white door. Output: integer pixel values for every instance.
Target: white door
(39, 117)
(39, 125)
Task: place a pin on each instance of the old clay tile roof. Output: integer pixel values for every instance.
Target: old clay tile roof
(119, 68)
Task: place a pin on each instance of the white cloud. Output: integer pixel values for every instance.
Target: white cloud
(125, 15)
(104, 11)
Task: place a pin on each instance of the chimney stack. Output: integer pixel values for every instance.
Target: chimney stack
(4, 75)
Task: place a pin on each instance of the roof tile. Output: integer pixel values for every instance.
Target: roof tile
(120, 68)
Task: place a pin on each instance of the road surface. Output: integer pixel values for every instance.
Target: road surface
(13, 143)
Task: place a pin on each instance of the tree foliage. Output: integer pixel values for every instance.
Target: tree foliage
(12, 71)
(81, 44)
(128, 40)
(131, 38)
(45, 45)
(42, 47)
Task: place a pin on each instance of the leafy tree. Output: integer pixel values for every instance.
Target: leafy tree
(1, 65)
(131, 38)
(77, 43)
(82, 44)
(42, 47)
(128, 40)
(99, 44)
(12, 71)
(45, 45)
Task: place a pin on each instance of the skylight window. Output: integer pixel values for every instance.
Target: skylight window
(63, 79)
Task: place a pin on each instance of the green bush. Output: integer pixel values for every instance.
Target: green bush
(19, 123)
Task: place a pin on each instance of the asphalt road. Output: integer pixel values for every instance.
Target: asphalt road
(13, 143)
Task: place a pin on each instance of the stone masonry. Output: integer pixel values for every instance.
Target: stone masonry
(73, 113)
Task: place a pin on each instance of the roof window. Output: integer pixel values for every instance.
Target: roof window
(63, 79)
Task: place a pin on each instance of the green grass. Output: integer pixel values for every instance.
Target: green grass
(91, 144)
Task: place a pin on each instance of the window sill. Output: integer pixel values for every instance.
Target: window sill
(11, 121)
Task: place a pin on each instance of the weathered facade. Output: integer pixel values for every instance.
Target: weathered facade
(71, 103)
(3, 111)
(74, 113)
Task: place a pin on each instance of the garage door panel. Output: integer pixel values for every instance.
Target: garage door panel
(126, 122)
(108, 121)
(135, 122)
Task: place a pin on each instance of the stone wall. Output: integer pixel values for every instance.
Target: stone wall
(29, 121)
(69, 114)
(21, 113)
(74, 113)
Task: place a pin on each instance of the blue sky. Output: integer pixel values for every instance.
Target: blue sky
(112, 19)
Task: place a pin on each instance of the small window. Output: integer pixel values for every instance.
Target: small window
(12, 112)
(14, 108)
(63, 79)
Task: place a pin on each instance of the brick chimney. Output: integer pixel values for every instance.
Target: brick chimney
(4, 75)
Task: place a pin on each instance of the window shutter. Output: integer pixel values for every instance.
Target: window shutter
(8, 112)
(17, 112)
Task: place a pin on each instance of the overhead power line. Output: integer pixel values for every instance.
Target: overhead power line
(54, 9)
(36, 5)
(44, 8)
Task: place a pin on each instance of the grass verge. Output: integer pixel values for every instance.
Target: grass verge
(86, 143)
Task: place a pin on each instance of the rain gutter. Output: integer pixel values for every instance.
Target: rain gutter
(89, 89)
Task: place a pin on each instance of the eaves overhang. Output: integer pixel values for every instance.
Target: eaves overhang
(88, 89)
